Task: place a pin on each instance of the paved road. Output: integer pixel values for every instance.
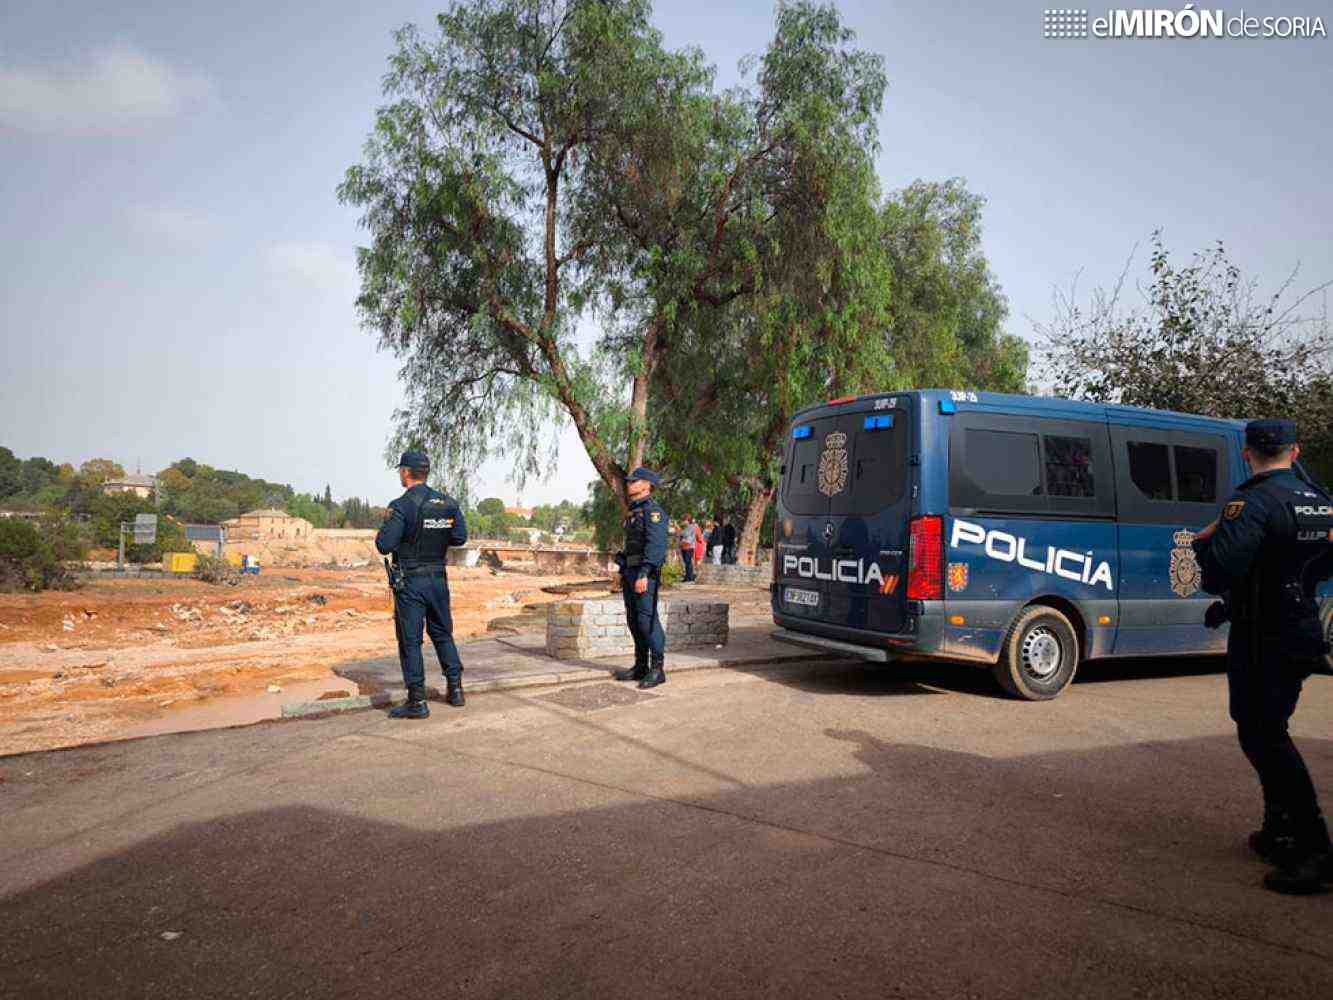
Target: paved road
(812, 832)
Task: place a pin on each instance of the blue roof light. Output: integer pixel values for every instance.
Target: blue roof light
(802, 432)
(879, 423)
(947, 406)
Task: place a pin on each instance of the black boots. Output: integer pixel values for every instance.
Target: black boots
(656, 675)
(415, 707)
(1274, 841)
(1304, 877)
(454, 692)
(635, 673)
(1301, 853)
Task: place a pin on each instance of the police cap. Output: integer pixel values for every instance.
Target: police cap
(413, 459)
(1270, 435)
(643, 475)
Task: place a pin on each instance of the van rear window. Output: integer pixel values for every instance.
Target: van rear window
(878, 473)
(802, 494)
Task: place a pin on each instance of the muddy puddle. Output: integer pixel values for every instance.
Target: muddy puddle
(238, 710)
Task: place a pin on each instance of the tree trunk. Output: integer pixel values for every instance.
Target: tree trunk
(754, 521)
(638, 406)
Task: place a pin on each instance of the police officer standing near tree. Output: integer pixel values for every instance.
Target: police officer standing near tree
(640, 565)
(421, 526)
(1267, 552)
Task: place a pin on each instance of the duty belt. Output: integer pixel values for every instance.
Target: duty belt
(423, 571)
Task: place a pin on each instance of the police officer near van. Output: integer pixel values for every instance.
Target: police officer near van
(1269, 549)
(422, 524)
(640, 565)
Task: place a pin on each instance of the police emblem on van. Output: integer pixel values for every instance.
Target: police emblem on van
(957, 576)
(1185, 572)
(833, 464)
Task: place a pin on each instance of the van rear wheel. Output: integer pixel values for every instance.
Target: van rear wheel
(1039, 655)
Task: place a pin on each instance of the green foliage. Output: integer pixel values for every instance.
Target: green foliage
(306, 506)
(31, 561)
(948, 309)
(603, 513)
(673, 571)
(1204, 340)
(199, 494)
(109, 512)
(472, 277)
(358, 513)
(539, 161)
(96, 471)
(491, 507)
(11, 474)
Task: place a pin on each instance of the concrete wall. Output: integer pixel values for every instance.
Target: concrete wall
(582, 629)
(735, 575)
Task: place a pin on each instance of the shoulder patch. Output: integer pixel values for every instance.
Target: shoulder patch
(657, 516)
(1233, 509)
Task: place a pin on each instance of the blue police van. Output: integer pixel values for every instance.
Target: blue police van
(1022, 533)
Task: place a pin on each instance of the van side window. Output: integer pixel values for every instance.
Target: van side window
(1004, 462)
(1196, 474)
(1069, 466)
(1150, 469)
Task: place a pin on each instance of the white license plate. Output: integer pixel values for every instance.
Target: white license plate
(794, 595)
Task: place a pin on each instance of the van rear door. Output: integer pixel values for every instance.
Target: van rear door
(868, 517)
(802, 514)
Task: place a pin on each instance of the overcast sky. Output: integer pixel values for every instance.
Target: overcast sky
(176, 274)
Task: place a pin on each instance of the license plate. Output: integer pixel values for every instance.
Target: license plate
(810, 598)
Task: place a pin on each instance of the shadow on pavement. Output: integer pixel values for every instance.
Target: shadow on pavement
(931, 873)
(920, 678)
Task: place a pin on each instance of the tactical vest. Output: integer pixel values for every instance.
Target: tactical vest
(426, 540)
(636, 535)
(1295, 558)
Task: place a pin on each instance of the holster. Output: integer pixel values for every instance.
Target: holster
(397, 579)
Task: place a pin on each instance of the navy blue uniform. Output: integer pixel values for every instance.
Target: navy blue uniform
(1269, 551)
(421, 526)
(642, 559)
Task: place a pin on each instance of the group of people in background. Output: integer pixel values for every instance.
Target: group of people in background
(697, 543)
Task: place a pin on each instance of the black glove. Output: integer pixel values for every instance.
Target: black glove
(1217, 614)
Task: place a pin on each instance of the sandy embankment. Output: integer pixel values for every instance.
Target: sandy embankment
(105, 660)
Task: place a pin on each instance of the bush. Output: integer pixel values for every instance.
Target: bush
(673, 571)
(29, 560)
(211, 569)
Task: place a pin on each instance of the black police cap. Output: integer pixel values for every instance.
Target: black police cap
(643, 475)
(1270, 434)
(413, 459)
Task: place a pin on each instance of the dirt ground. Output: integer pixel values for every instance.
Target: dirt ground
(122, 654)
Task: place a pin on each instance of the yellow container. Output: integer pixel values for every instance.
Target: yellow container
(179, 562)
(235, 558)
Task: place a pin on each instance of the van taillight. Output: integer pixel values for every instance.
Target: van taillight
(925, 568)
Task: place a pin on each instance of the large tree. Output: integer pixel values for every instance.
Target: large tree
(475, 275)
(816, 323)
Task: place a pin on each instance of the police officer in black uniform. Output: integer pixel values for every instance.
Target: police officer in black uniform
(1271, 546)
(421, 526)
(640, 576)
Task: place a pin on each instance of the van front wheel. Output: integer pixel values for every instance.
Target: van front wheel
(1039, 656)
